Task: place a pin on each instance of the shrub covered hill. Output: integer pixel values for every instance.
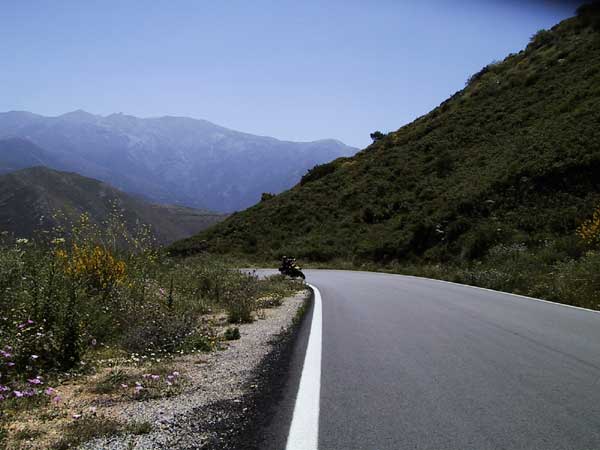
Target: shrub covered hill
(513, 158)
(38, 199)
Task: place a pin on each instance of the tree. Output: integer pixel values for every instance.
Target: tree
(377, 135)
(266, 196)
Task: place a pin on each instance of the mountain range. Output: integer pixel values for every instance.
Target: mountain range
(172, 160)
(31, 198)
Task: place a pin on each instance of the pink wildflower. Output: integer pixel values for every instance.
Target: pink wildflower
(36, 380)
(18, 394)
(56, 399)
(175, 374)
(155, 377)
(49, 391)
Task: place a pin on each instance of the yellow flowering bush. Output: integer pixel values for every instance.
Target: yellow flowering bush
(589, 230)
(94, 265)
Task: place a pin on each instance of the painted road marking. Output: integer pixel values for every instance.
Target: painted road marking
(304, 431)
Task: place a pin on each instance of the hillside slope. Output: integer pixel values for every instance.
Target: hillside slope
(175, 160)
(18, 153)
(513, 158)
(30, 198)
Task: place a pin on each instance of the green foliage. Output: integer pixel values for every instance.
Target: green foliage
(511, 159)
(88, 428)
(377, 136)
(232, 334)
(318, 172)
(266, 196)
(66, 298)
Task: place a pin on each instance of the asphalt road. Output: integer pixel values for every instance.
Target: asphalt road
(409, 363)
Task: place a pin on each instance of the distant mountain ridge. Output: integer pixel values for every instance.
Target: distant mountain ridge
(18, 153)
(169, 159)
(30, 198)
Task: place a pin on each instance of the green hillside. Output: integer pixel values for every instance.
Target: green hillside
(30, 199)
(511, 161)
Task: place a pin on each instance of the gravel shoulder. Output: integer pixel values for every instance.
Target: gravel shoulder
(218, 405)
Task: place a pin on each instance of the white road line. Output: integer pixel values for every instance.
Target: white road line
(304, 431)
(501, 292)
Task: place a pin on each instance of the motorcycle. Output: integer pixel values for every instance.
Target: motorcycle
(292, 270)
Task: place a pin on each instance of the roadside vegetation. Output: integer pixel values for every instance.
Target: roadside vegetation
(100, 305)
(490, 188)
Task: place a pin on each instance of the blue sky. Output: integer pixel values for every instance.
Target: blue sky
(298, 70)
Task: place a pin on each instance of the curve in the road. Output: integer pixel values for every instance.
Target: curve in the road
(413, 363)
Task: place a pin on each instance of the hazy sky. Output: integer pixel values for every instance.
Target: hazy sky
(298, 70)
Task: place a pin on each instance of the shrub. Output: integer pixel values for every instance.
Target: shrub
(266, 196)
(232, 334)
(318, 172)
(541, 38)
(377, 136)
(589, 230)
(239, 298)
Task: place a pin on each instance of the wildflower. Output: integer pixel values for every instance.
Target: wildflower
(10, 364)
(25, 324)
(76, 416)
(56, 399)
(175, 374)
(155, 377)
(36, 380)
(2, 397)
(4, 388)
(124, 386)
(49, 391)
(18, 394)
(170, 377)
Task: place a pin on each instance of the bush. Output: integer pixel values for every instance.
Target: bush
(232, 334)
(239, 297)
(318, 172)
(266, 196)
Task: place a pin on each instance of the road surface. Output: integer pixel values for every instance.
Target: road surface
(410, 363)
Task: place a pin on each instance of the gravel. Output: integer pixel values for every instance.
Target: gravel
(216, 408)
